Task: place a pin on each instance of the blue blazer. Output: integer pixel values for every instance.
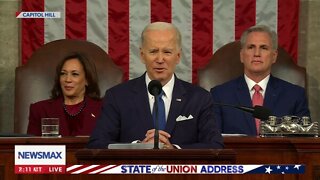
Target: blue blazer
(281, 97)
(126, 116)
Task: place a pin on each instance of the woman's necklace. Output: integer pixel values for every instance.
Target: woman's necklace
(77, 113)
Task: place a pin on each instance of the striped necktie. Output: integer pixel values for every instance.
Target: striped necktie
(161, 112)
(257, 99)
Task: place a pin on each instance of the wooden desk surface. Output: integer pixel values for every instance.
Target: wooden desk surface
(7, 143)
(249, 150)
(278, 150)
(151, 156)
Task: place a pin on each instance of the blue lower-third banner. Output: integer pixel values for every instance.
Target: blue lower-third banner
(185, 169)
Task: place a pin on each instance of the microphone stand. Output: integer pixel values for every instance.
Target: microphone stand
(156, 131)
(155, 88)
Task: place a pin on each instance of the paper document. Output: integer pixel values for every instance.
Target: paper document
(133, 146)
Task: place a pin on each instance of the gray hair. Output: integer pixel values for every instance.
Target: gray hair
(162, 26)
(260, 28)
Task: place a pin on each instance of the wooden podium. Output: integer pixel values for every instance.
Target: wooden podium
(77, 154)
(279, 150)
(7, 145)
(247, 150)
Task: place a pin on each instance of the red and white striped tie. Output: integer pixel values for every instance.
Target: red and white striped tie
(257, 99)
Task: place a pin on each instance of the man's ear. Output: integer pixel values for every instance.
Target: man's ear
(179, 56)
(241, 55)
(275, 55)
(142, 56)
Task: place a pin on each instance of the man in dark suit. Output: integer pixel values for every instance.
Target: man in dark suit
(126, 113)
(258, 53)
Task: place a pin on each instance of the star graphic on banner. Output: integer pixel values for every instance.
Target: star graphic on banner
(268, 170)
(287, 168)
(297, 167)
(278, 167)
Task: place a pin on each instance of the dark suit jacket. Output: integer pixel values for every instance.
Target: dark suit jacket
(126, 116)
(281, 97)
(82, 124)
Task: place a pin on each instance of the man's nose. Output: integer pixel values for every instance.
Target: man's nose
(257, 52)
(160, 58)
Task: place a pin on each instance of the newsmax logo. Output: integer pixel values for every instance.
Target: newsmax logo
(40, 155)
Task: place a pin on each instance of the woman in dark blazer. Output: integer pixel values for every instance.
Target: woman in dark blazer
(75, 99)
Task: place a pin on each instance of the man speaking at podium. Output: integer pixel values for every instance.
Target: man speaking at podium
(188, 120)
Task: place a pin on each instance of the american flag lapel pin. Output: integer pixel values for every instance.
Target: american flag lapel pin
(178, 99)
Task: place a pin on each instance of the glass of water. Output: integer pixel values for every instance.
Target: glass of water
(50, 127)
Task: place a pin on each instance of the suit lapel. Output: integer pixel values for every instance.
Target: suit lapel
(244, 99)
(242, 93)
(141, 100)
(57, 110)
(177, 102)
(57, 107)
(272, 92)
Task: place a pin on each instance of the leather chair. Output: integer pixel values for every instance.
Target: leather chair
(225, 65)
(34, 80)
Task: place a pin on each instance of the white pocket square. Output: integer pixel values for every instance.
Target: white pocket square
(183, 118)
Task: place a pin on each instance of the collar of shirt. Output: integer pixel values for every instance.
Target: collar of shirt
(167, 88)
(263, 84)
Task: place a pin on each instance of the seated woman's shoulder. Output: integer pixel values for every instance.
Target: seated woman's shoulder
(43, 102)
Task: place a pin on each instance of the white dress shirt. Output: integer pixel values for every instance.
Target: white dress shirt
(263, 84)
(167, 89)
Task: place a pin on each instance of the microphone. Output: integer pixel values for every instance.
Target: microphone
(259, 112)
(155, 88)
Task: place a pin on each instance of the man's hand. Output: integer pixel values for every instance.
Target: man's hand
(163, 138)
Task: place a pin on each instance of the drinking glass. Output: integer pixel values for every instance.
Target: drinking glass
(50, 127)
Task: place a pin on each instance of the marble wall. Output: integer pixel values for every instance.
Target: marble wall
(309, 53)
(9, 59)
(309, 56)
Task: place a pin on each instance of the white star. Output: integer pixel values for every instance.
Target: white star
(282, 172)
(278, 167)
(268, 170)
(297, 166)
(287, 168)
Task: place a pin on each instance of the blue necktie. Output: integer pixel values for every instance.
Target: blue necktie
(161, 112)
